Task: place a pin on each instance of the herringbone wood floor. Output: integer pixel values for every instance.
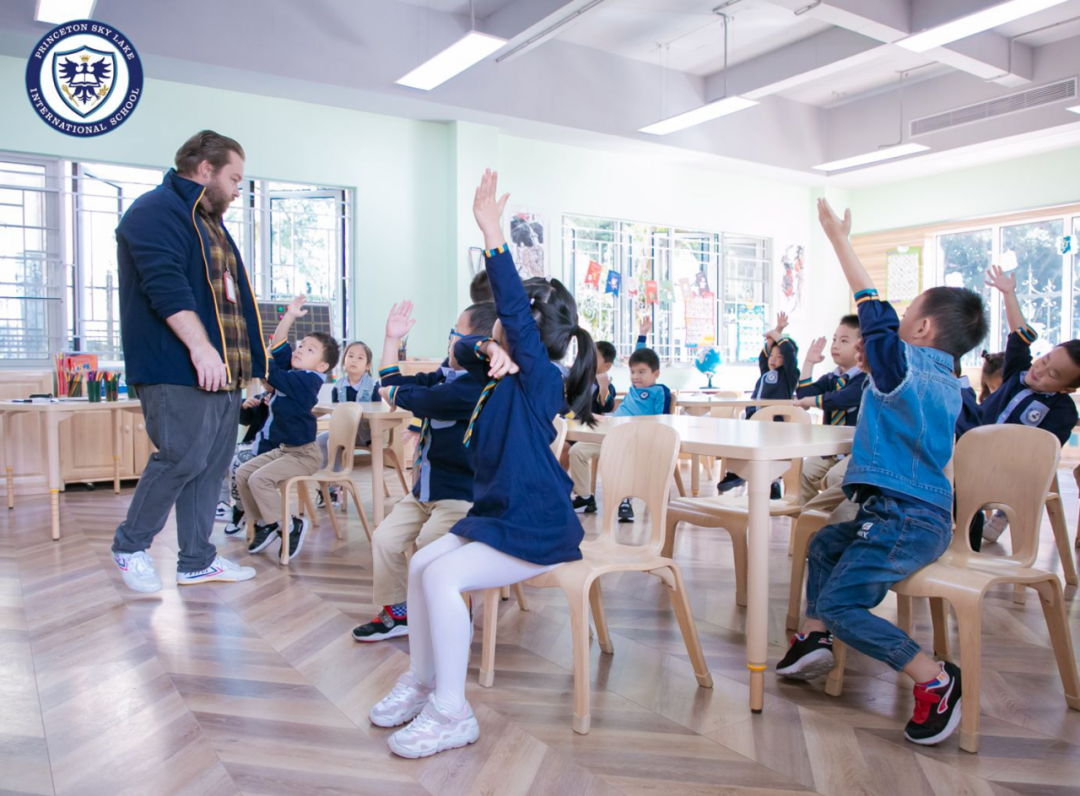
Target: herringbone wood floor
(258, 688)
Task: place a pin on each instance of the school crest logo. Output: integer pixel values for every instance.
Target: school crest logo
(84, 78)
(771, 377)
(1034, 414)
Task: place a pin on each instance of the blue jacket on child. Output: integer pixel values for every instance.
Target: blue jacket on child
(838, 393)
(297, 393)
(776, 385)
(521, 496)
(444, 401)
(904, 439)
(162, 254)
(655, 400)
(1015, 402)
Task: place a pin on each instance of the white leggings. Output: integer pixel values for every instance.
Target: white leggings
(439, 631)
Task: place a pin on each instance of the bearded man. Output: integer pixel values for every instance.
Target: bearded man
(192, 340)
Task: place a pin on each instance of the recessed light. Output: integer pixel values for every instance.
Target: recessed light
(878, 155)
(714, 110)
(467, 51)
(986, 19)
(58, 11)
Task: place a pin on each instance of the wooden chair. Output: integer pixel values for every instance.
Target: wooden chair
(393, 454)
(636, 461)
(733, 514)
(962, 577)
(344, 421)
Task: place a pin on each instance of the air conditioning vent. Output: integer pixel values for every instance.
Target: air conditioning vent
(1062, 91)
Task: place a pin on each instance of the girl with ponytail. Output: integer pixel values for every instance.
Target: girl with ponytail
(522, 522)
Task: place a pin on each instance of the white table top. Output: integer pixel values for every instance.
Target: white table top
(748, 440)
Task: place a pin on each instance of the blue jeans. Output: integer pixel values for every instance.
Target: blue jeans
(853, 564)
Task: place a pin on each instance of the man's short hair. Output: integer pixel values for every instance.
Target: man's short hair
(645, 356)
(331, 350)
(209, 146)
(607, 351)
(480, 289)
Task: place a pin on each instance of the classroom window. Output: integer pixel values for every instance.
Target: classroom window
(965, 258)
(59, 286)
(700, 288)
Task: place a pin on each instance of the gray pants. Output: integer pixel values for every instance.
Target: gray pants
(195, 435)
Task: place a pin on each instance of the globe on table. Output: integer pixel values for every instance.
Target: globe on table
(707, 361)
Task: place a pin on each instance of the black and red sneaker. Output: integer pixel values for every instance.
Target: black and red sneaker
(808, 657)
(382, 627)
(937, 708)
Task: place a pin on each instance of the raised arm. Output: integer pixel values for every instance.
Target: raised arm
(398, 324)
(777, 332)
(837, 231)
(1006, 284)
(295, 310)
(815, 355)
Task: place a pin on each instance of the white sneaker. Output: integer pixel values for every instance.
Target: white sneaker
(402, 704)
(222, 570)
(223, 513)
(995, 526)
(138, 572)
(432, 732)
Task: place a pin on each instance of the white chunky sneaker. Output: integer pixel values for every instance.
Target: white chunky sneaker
(138, 572)
(995, 526)
(222, 569)
(432, 732)
(223, 512)
(402, 704)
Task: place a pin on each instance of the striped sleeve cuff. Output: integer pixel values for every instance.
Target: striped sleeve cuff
(870, 294)
(390, 396)
(817, 401)
(279, 346)
(806, 382)
(393, 370)
(489, 253)
(1027, 334)
(480, 354)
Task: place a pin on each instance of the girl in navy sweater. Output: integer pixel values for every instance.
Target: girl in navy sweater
(522, 523)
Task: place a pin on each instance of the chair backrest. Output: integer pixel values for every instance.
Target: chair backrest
(637, 460)
(724, 412)
(671, 401)
(790, 414)
(733, 395)
(561, 428)
(344, 422)
(1009, 467)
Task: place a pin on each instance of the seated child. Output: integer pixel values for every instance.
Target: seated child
(897, 476)
(355, 384)
(444, 401)
(297, 377)
(991, 374)
(604, 394)
(838, 393)
(645, 397)
(1032, 392)
(779, 366)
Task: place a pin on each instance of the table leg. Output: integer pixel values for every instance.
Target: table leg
(757, 475)
(695, 474)
(9, 473)
(377, 499)
(117, 423)
(52, 450)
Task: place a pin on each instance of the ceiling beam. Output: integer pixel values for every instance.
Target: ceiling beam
(534, 22)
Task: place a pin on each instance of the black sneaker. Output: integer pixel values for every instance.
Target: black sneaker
(937, 709)
(382, 627)
(264, 537)
(236, 524)
(774, 491)
(223, 511)
(807, 658)
(626, 511)
(320, 501)
(297, 535)
(589, 504)
(730, 481)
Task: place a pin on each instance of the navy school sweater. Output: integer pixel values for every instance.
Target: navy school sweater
(297, 395)
(776, 385)
(837, 394)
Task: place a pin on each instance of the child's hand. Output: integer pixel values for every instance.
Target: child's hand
(296, 308)
(833, 226)
(861, 362)
(487, 209)
(816, 353)
(500, 362)
(252, 402)
(806, 403)
(399, 321)
(996, 277)
(781, 321)
(645, 327)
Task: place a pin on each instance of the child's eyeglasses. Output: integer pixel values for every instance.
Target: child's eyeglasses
(455, 333)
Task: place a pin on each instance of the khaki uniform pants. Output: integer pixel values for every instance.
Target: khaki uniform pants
(257, 480)
(831, 469)
(581, 456)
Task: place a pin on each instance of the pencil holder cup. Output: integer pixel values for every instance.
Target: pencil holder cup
(93, 391)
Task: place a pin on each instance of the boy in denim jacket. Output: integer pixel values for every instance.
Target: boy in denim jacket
(897, 476)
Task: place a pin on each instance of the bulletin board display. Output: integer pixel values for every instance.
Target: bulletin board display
(903, 274)
(318, 319)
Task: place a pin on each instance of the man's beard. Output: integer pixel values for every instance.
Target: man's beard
(217, 199)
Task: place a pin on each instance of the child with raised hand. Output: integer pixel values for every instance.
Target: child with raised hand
(521, 523)
(778, 363)
(645, 397)
(443, 490)
(838, 394)
(990, 376)
(1033, 392)
(296, 376)
(897, 476)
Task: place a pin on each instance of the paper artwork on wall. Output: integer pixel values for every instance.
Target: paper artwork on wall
(903, 274)
(613, 283)
(791, 283)
(528, 240)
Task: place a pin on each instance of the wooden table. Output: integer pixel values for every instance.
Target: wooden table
(760, 453)
(53, 414)
(381, 417)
